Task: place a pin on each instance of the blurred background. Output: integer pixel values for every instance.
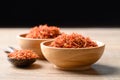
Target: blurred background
(63, 14)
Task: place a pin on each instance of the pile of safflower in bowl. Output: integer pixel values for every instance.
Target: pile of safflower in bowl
(36, 35)
(72, 51)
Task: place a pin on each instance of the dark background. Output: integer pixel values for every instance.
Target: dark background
(63, 14)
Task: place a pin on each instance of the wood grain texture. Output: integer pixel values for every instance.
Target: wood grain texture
(107, 68)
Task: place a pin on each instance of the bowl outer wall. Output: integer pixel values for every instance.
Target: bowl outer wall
(32, 44)
(66, 57)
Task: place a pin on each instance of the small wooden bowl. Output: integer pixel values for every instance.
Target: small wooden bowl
(72, 58)
(32, 44)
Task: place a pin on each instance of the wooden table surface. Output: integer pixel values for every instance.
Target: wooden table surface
(107, 68)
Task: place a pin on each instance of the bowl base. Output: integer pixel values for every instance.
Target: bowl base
(75, 68)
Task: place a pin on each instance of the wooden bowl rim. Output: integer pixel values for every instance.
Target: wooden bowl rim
(100, 44)
(22, 36)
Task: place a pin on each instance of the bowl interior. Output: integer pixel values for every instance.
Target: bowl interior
(23, 35)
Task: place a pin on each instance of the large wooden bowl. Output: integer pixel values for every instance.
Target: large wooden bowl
(32, 44)
(72, 58)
